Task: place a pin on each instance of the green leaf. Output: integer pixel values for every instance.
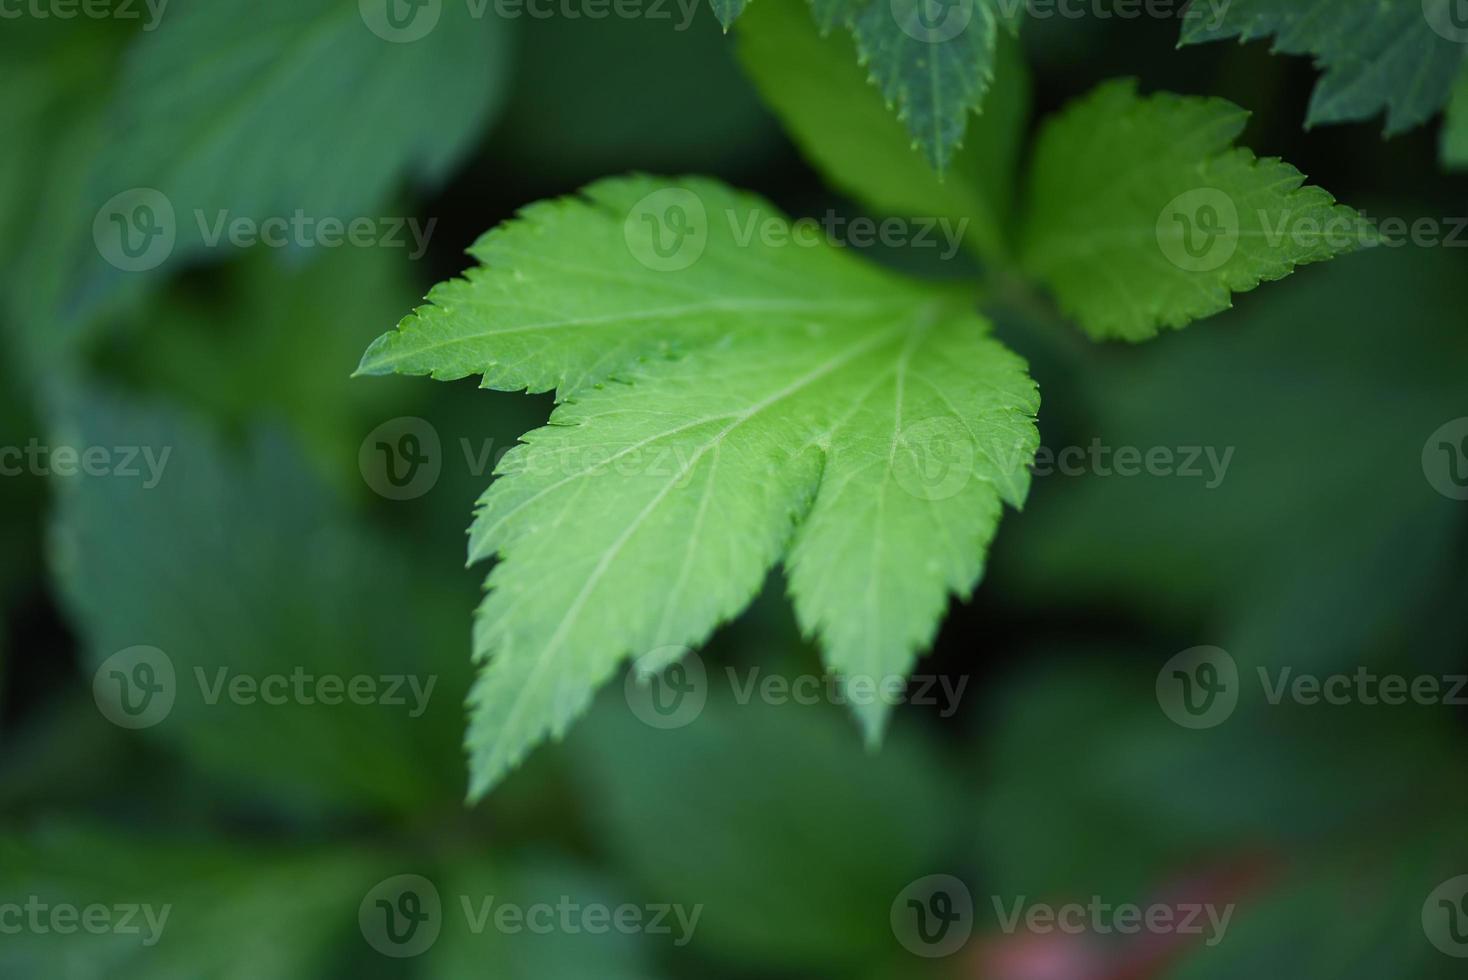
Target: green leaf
(727, 403)
(1142, 214)
(237, 351)
(55, 75)
(762, 789)
(843, 127)
(1455, 128)
(1401, 56)
(1048, 821)
(933, 63)
(935, 70)
(728, 10)
(150, 560)
(1306, 363)
(198, 909)
(473, 886)
(248, 111)
(1384, 888)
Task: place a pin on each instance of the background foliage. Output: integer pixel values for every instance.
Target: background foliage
(1057, 778)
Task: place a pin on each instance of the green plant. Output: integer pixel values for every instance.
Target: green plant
(735, 393)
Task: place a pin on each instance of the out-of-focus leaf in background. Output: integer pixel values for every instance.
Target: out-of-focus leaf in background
(844, 128)
(229, 912)
(529, 955)
(1323, 548)
(1397, 58)
(770, 815)
(1077, 754)
(1455, 127)
(1321, 539)
(55, 76)
(267, 340)
(290, 588)
(234, 110)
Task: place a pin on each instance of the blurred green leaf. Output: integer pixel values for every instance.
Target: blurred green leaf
(1354, 914)
(1321, 536)
(1134, 799)
(238, 565)
(267, 342)
(842, 125)
(1455, 127)
(1400, 57)
(55, 75)
(175, 910)
(795, 839)
(933, 66)
(234, 110)
(472, 945)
